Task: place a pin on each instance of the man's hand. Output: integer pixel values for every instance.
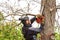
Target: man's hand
(43, 21)
(38, 16)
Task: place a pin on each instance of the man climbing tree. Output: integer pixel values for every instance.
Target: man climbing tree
(30, 34)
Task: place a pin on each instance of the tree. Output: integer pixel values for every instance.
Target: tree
(49, 13)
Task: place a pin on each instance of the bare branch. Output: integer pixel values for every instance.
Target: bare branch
(36, 1)
(58, 7)
(12, 14)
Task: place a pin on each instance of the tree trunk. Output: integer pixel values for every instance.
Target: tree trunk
(49, 13)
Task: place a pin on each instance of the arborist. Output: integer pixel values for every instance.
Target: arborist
(31, 34)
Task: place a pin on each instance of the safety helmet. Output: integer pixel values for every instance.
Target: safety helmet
(26, 18)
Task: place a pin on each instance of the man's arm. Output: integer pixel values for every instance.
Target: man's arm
(33, 19)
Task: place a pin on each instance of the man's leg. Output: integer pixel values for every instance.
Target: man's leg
(34, 37)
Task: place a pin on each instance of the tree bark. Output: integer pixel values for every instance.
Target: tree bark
(49, 13)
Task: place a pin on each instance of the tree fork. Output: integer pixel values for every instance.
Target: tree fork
(49, 13)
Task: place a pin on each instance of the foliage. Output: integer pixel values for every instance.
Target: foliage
(9, 32)
(38, 36)
(57, 36)
(1, 16)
